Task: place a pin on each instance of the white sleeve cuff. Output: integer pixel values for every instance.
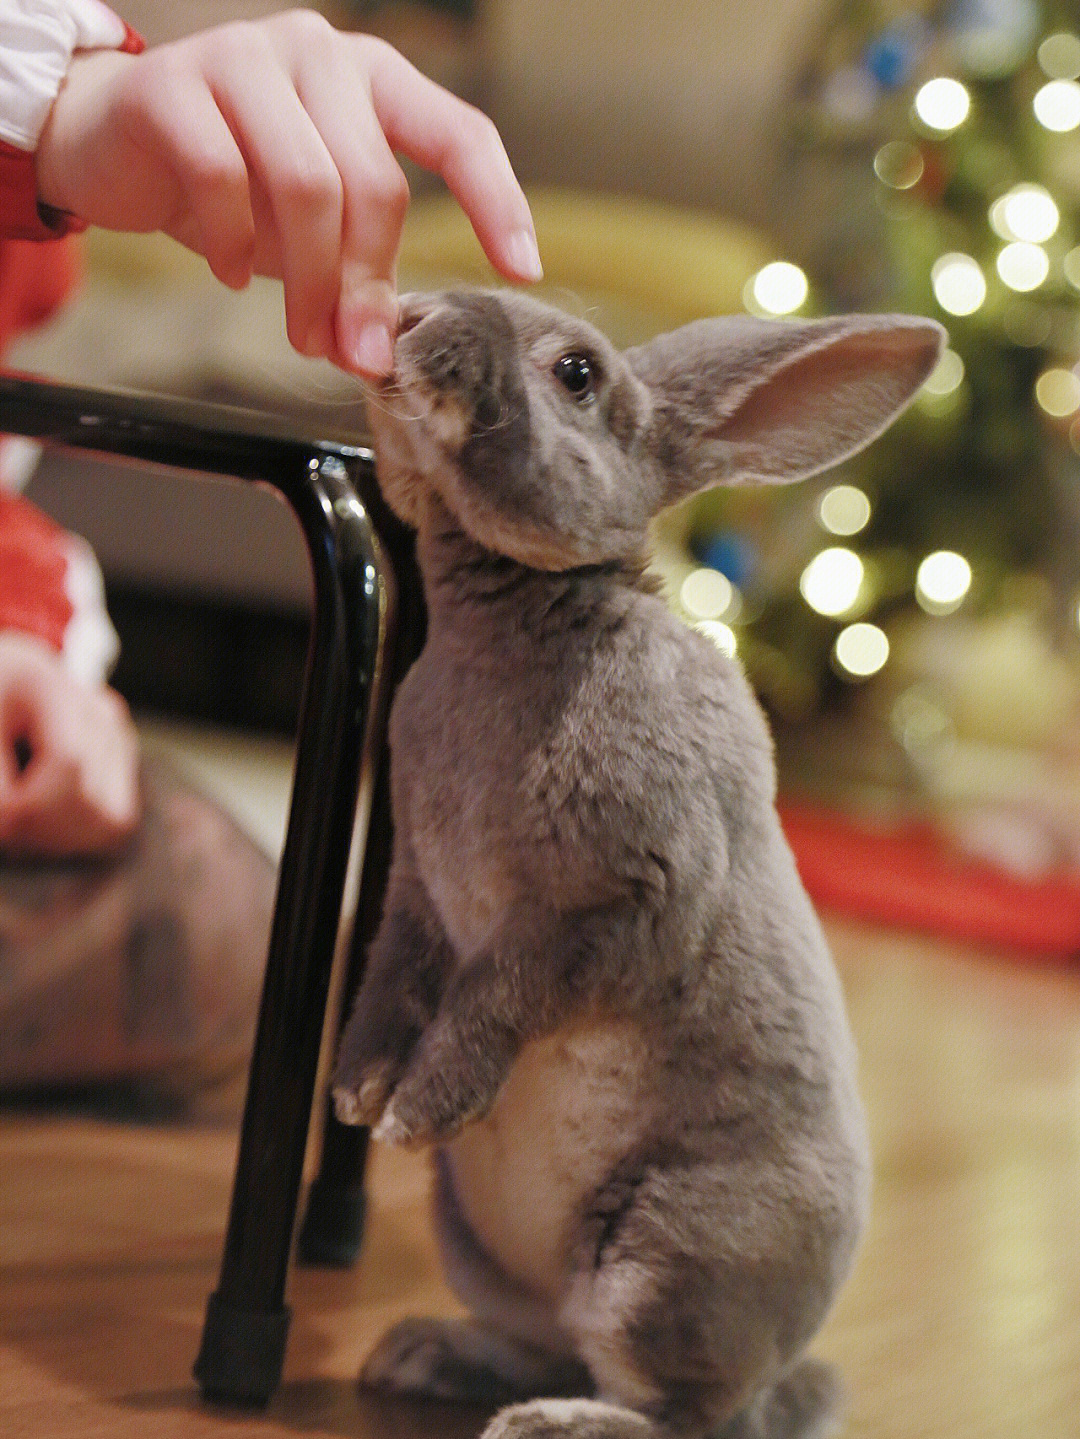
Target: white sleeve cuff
(91, 645)
(37, 41)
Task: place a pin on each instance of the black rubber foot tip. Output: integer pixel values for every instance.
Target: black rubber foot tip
(242, 1353)
(333, 1227)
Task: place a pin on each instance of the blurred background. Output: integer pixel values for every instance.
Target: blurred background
(911, 622)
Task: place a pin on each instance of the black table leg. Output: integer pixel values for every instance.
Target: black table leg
(246, 1322)
(333, 1226)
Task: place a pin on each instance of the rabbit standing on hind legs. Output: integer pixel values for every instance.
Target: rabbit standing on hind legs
(598, 989)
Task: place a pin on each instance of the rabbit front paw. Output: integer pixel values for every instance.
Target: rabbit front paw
(362, 1100)
(371, 1061)
(433, 1102)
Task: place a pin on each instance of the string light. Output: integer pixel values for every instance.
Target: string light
(942, 581)
(1057, 105)
(831, 582)
(959, 284)
(942, 104)
(899, 165)
(1026, 212)
(1059, 56)
(861, 649)
(946, 376)
(722, 636)
(707, 594)
(1058, 392)
(1026, 323)
(844, 510)
(1023, 266)
(779, 288)
(918, 720)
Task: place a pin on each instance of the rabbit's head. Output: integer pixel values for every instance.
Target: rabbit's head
(547, 444)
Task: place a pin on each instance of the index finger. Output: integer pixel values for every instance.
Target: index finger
(455, 140)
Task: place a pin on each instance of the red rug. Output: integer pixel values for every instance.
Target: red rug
(911, 877)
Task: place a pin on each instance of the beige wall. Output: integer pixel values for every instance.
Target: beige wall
(677, 98)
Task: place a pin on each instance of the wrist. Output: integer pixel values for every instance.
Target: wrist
(83, 98)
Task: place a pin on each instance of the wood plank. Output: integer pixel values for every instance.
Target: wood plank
(963, 1318)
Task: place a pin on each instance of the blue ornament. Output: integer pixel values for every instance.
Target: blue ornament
(889, 59)
(892, 56)
(730, 553)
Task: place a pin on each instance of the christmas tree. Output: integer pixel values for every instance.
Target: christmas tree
(938, 160)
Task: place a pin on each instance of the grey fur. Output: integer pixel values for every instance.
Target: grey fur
(598, 987)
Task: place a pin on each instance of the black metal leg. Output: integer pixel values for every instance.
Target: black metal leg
(246, 1322)
(333, 1226)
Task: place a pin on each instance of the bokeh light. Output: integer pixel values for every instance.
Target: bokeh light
(1026, 212)
(831, 582)
(1023, 266)
(942, 104)
(899, 164)
(946, 376)
(942, 581)
(1026, 323)
(722, 635)
(918, 720)
(707, 594)
(959, 284)
(861, 649)
(1059, 56)
(779, 288)
(1071, 266)
(844, 510)
(1057, 105)
(1058, 392)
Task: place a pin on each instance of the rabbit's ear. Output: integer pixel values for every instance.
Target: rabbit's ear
(741, 399)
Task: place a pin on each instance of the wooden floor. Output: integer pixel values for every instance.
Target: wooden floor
(963, 1319)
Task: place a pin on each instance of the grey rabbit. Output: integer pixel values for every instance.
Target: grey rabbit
(598, 988)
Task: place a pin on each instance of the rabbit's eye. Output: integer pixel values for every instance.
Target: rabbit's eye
(577, 375)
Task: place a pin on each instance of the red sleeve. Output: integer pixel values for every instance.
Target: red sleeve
(33, 572)
(35, 278)
(22, 220)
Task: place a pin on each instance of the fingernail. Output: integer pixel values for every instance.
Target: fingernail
(523, 255)
(373, 352)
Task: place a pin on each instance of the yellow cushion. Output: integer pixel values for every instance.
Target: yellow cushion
(648, 266)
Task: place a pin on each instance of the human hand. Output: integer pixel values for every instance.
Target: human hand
(268, 147)
(68, 758)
